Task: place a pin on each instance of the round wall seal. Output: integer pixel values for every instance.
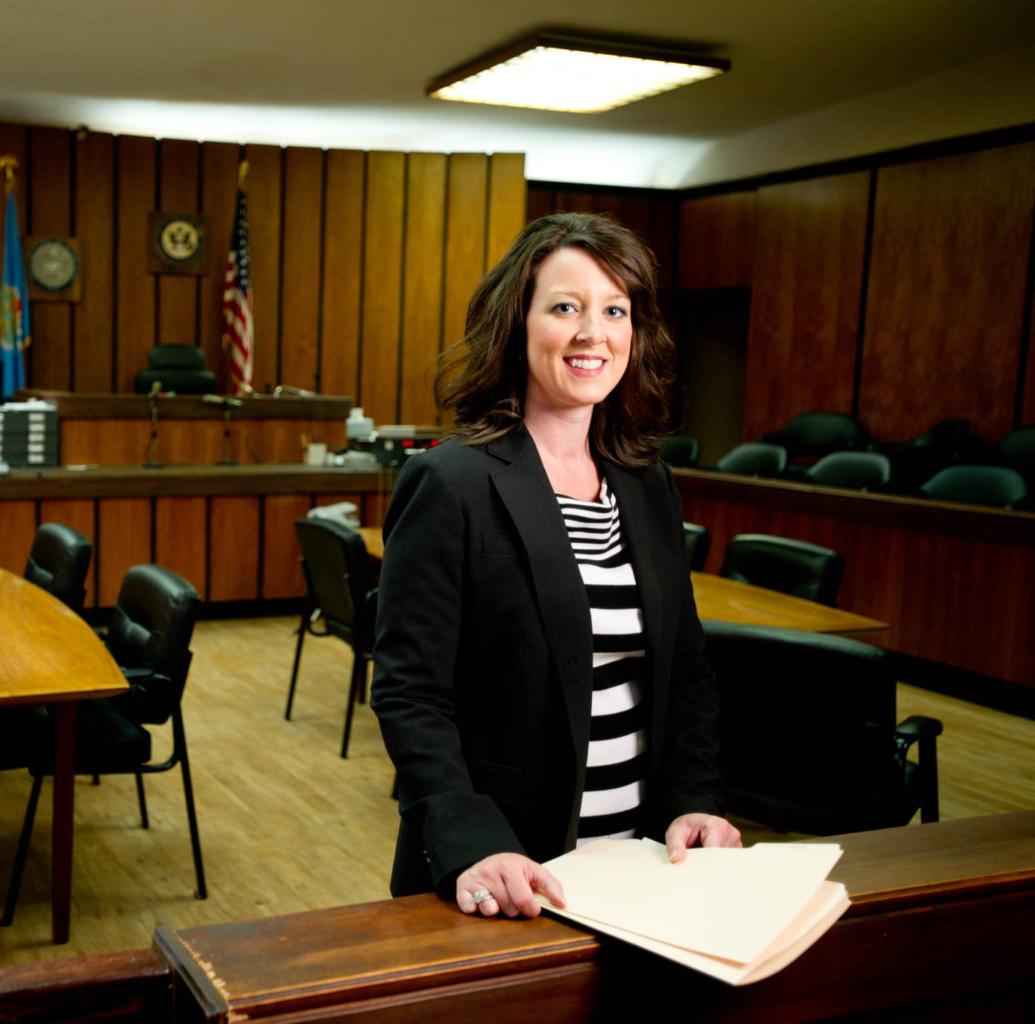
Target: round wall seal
(53, 264)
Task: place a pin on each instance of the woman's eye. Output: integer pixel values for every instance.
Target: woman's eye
(617, 312)
(564, 307)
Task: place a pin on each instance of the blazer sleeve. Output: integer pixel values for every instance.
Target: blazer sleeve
(690, 765)
(419, 630)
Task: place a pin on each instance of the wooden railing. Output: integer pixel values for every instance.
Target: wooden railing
(940, 912)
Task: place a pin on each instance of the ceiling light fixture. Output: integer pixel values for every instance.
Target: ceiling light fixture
(560, 70)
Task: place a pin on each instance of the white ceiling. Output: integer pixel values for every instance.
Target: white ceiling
(811, 79)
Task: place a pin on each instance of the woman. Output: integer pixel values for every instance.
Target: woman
(539, 675)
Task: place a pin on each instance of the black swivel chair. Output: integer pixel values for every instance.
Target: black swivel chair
(995, 486)
(179, 368)
(698, 542)
(1017, 451)
(793, 567)
(58, 562)
(149, 638)
(340, 588)
(945, 443)
(859, 471)
(681, 451)
(819, 433)
(808, 733)
(754, 459)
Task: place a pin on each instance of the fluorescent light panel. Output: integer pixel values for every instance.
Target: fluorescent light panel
(563, 72)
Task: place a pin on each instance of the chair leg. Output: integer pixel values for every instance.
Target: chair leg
(359, 672)
(142, 800)
(927, 756)
(303, 626)
(22, 852)
(180, 740)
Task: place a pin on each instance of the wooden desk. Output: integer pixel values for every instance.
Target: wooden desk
(939, 911)
(748, 605)
(50, 655)
(731, 601)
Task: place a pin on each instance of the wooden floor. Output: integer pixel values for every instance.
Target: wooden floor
(286, 825)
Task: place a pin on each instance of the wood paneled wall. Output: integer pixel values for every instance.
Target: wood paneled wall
(650, 213)
(951, 246)
(717, 241)
(900, 292)
(362, 263)
(808, 265)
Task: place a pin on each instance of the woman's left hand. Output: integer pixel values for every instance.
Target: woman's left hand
(698, 830)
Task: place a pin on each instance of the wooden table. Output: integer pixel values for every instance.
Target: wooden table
(50, 655)
(732, 601)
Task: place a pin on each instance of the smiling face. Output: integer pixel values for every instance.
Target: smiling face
(579, 332)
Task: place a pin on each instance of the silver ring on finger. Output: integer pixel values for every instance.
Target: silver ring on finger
(480, 896)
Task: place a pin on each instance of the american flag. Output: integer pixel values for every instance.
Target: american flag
(238, 334)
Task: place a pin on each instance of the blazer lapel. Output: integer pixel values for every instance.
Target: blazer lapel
(525, 491)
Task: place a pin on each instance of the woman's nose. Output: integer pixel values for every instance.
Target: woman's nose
(591, 329)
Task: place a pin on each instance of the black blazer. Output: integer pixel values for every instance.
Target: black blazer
(483, 660)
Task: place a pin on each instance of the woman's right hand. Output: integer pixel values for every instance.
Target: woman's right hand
(512, 880)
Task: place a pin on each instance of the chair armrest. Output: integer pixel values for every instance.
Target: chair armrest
(918, 727)
(134, 675)
(150, 699)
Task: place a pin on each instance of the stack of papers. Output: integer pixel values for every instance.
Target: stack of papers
(737, 915)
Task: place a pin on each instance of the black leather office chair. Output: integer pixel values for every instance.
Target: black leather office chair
(682, 451)
(179, 368)
(340, 589)
(59, 561)
(859, 471)
(995, 486)
(809, 740)
(149, 638)
(1017, 451)
(793, 567)
(754, 459)
(698, 542)
(819, 433)
(945, 443)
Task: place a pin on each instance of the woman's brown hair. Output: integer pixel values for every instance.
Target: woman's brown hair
(482, 377)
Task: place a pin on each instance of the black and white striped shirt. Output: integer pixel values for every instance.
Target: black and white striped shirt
(616, 765)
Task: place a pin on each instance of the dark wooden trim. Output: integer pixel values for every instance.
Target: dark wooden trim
(180, 481)
(1024, 342)
(134, 985)
(118, 406)
(938, 911)
(882, 158)
(602, 190)
(970, 521)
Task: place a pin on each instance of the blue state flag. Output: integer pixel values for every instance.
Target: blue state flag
(14, 306)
